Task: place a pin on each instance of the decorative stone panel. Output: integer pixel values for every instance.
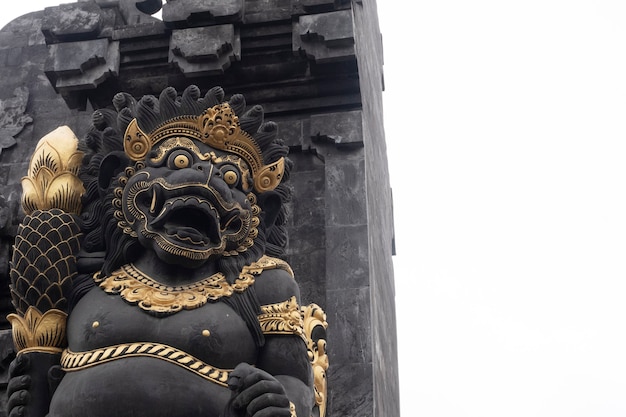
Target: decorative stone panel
(206, 50)
(82, 65)
(179, 12)
(343, 129)
(325, 37)
(75, 22)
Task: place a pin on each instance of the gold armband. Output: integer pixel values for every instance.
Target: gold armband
(282, 318)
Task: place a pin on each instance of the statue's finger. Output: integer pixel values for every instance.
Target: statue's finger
(265, 401)
(263, 387)
(273, 412)
(18, 412)
(18, 398)
(18, 383)
(19, 365)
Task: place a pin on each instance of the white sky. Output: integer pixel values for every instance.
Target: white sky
(505, 124)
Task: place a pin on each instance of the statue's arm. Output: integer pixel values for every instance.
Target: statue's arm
(281, 382)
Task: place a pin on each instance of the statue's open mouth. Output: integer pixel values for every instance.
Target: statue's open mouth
(189, 215)
(189, 219)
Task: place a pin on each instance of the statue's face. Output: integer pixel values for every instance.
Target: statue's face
(189, 204)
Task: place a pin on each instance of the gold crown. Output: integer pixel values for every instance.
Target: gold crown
(217, 127)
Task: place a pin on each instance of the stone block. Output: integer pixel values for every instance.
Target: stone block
(74, 21)
(291, 132)
(342, 129)
(267, 10)
(345, 192)
(310, 272)
(356, 398)
(206, 50)
(205, 11)
(13, 117)
(82, 65)
(347, 253)
(349, 336)
(325, 37)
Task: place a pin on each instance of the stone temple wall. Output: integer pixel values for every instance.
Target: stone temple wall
(316, 68)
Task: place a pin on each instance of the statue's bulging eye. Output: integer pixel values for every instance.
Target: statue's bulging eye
(179, 159)
(231, 177)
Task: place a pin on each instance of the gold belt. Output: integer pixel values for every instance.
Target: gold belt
(75, 361)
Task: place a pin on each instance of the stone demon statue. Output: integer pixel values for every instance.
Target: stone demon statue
(146, 277)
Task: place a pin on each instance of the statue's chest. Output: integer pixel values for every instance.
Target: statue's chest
(213, 333)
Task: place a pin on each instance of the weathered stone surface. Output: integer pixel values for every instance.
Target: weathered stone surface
(7, 353)
(75, 21)
(13, 117)
(343, 129)
(267, 10)
(177, 11)
(325, 37)
(82, 65)
(206, 50)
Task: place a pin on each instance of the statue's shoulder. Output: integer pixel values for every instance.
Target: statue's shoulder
(275, 281)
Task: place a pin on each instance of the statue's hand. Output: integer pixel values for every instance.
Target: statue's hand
(33, 377)
(255, 393)
(18, 386)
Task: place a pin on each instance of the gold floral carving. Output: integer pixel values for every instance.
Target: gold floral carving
(267, 262)
(282, 318)
(52, 180)
(217, 127)
(74, 361)
(139, 289)
(39, 332)
(314, 316)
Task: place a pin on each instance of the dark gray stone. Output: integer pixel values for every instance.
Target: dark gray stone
(82, 65)
(345, 192)
(342, 129)
(205, 51)
(350, 335)
(325, 37)
(176, 11)
(348, 254)
(75, 21)
(13, 117)
(356, 399)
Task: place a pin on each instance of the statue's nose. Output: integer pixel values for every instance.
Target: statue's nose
(205, 167)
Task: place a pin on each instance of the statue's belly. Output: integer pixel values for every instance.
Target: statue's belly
(213, 333)
(137, 386)
(136, 382)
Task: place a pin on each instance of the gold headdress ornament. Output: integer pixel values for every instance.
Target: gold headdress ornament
(217, 127)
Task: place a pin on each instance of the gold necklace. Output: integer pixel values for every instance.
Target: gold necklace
(137, 288)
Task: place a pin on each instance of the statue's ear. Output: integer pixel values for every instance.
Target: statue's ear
(111, 165)
(270, 204)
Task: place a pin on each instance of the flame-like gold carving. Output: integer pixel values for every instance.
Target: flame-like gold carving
(282, 318)
(39, 332)
(217, 127)
(52, 180)
(314, 316)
